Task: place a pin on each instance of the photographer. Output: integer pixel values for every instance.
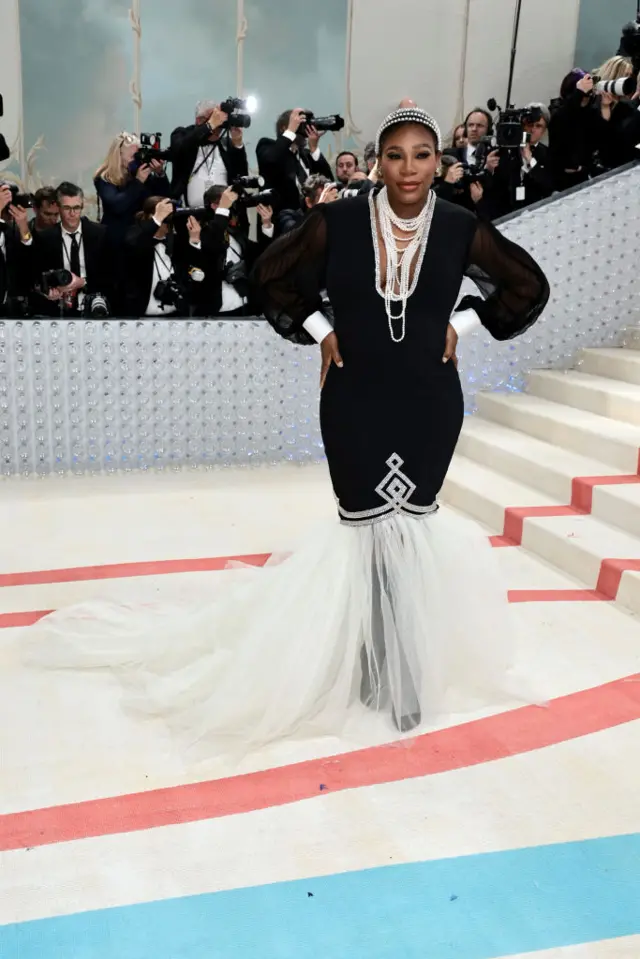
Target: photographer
(15, 250)
(123, 184)
(316, 189)
(468, 181)
(229, 255)
(158, 262)
(209, 153)
(286, 162)
(524, 175)
(574, 131)
(77, 245)
(619, 120)
(45, 205)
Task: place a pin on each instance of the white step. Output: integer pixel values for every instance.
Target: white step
(549, 469)
(630, 338)
(574, 544)
(595, 394)
(615, 364)
(609, 441)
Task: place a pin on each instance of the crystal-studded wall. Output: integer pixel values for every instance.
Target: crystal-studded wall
(586, 242)
(123, 395)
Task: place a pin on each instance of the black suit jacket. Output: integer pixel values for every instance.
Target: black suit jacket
(139, 263)
(49, 255)
(279, 167)
(215, 243)
(15, 266)
(185, 143)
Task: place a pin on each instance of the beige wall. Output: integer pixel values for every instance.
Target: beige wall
(415, 48)
(10, 79)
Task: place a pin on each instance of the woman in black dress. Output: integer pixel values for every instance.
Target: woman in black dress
(395, 606)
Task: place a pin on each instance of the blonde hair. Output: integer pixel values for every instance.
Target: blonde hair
(112, 171)
(615, 68)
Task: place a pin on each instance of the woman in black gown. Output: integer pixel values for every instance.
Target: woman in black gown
(395, 606)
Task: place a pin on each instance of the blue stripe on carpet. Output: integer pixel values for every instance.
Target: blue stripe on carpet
(472, 907)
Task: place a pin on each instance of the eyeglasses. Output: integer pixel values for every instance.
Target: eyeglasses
(72, 209)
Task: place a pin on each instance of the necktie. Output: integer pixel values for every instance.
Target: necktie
(74, 257)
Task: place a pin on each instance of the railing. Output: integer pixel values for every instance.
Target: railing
(86, 396)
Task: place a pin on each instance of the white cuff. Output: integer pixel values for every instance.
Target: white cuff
(27, 242)
(465, 321)
(156, 221)
(268, 230)
(318, 326)
(289, 135)
(223, 211)
(315, 156)
(196, 245)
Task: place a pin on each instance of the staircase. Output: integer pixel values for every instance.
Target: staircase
(556, 470)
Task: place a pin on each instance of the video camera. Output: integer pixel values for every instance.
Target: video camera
(238, 113)
(331, 124)
(25, 200)
(150, 149)
(510, 134)
(246, 201)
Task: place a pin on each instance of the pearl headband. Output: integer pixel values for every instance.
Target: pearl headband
(409, 115)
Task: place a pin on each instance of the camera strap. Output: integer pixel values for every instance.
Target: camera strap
(206, 161)
(162, 259)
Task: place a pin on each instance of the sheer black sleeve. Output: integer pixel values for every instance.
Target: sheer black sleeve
(288, 278)
(514, 289)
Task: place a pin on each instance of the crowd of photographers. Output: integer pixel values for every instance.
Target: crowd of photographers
(183, 244)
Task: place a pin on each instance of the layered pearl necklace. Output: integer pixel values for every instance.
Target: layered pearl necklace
(400, 253)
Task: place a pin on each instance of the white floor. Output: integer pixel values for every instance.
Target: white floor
(574, 791)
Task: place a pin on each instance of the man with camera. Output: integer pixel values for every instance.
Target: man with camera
(45, 207)
(76, 248)
(15, 248)
(346, 167)
(163, 264)
(316, 189)
(468, 180)
(286, 162)
(227, 252)
(211, 152)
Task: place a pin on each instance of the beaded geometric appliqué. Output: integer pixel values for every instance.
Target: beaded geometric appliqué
(396, 489)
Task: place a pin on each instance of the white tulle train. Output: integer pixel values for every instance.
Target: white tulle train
(407, 616)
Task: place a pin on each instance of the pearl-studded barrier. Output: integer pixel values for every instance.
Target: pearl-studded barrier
(82, 396)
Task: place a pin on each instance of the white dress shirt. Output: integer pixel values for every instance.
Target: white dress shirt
(3, 254)
(231, 299)
(315, 156)
(66, 255)
(162, 270)
(209, 170)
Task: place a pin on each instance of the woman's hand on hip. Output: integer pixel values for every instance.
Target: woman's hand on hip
(450, 346)
(330, 354)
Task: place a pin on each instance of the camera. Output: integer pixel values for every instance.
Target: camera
(237, 111)
(52, 279)
(150, 149)
(331, 124)
(25, 200)
(182, 213)
(171, 295)
(509, 132)
(624, 87)
(95, 306)
(247, 201)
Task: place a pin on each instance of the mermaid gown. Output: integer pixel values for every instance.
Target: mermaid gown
(396, 607)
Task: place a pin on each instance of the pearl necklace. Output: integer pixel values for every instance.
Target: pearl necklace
(399, 285)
